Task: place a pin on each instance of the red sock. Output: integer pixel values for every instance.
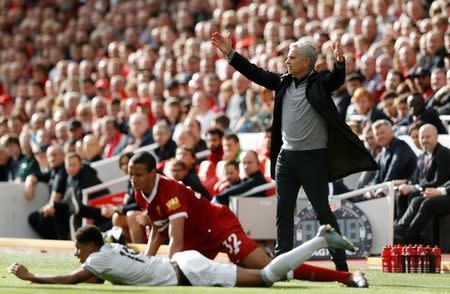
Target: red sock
(309, 272)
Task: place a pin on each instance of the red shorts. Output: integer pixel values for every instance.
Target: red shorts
(226, 235)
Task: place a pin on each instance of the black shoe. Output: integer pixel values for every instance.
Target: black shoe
(357, 280)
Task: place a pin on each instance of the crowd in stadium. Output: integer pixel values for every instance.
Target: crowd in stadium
(82, 81)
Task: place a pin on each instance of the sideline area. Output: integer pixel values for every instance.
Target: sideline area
(58, 246)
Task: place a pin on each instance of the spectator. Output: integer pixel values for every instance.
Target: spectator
(6, 170)
(76, 132)
(422, 82)
(388, 106)
(365, 107)
(207, 168)
(90, 149)
(396, 159)
(113, 140)
(27, 164)
(231, 177)
(343, 98)
(434, 201)
(253, 178)
(43, 221)
(418, 112)
(201, 111)
(140, 134)
(432, 170)
(179, 171)
(166, 146)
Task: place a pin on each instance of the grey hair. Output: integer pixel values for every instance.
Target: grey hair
(381, 122)
(307, 50)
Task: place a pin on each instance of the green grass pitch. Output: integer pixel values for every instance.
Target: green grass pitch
(57, 263)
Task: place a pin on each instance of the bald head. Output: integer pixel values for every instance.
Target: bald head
(250, 162)
(428, 137)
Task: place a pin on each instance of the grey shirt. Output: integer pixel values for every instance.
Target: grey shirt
(302, 127)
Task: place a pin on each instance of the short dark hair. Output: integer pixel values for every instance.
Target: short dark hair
(188, 149)
(178, 162)
(144, 158)
(215, 131)
(89, 233)
(125, 154)
(232, 163)
(71, 155)
(388, 95)
(233, 137)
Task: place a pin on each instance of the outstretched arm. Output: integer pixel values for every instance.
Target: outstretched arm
(252, 72)
(222, 43)
(78, 276)
(336, 77)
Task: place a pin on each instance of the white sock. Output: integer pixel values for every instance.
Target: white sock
(279, 267)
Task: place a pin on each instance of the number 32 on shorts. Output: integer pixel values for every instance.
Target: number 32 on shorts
(232, 243)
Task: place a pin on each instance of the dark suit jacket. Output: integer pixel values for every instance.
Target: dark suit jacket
(346, 153)
(377, 114)
(438, 171)
(257, 179)
(397, 161)
(429, 116)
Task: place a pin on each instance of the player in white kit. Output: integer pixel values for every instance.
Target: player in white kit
(120, 265)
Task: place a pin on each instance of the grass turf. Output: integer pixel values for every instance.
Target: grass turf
(59, 263)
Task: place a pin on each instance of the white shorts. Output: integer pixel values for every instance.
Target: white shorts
(201, 271)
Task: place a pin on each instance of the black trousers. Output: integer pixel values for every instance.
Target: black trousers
(308, 169)
(420, 212)
(52, 227)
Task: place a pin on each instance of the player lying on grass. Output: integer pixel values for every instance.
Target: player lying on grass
(120, 265)
(191, 222)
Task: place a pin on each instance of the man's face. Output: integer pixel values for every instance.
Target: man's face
(428, 139)
(54, 157)
(353, 85)
(185, 156)
(295, 63)
(232, 174)
(161, 135)
(73, 166)
(392, 81)
(383, 135)
(83, 250)
(141, 179)
(402, 109)
(389, 107)
(213, 142)
(177, 172)
(250, 164)
(369, 138)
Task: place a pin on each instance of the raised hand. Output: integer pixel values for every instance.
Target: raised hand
(338, 52)
(222, 43)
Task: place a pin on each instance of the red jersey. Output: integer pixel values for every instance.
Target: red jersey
(209, 228)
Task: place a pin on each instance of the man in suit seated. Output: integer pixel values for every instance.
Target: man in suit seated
(254, 178)
(432, 202)
(396, 160)
(433, 169)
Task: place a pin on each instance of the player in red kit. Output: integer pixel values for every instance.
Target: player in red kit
(190, 222)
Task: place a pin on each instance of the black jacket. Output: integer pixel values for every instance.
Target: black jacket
(254, 180)
(346, 153)
(428, 116)
(397, 161)
(438, 171)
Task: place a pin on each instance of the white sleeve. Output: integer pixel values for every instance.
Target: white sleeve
(97, 263)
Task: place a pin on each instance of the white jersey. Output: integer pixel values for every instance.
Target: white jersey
(120, 265)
